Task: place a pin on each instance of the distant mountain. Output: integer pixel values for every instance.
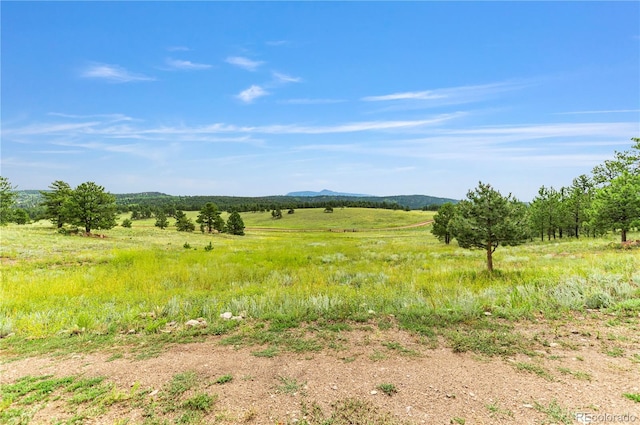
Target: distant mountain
(326, 192)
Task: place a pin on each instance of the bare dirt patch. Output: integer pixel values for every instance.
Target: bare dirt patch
(585, 364)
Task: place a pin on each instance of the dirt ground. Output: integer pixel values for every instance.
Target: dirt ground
(588, 366)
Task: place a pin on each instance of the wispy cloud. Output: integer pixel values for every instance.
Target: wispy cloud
(109, 117)
(178, 64)
(612, 111)
(252, 93)
(450, 95)
(352, 127)
(112, 73)
(178, 49)
(284, 78)
(498, 144)
(134, 149)
(48, 129)
(244, 63)
(416, 95)
(17, 162)
(433, 137)
(533, 131)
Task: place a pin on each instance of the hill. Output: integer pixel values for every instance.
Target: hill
(326, 192)
(31, 199)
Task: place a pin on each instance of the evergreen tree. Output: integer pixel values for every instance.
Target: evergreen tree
(54, 202)
(210, 218)
(441, 221)
(235, 225)
(486, 220)
(21, 216)
(545, 217)
(579, 203)
(7, 200)
(89, 206)
(183, 223)
(161, 220)
(628, 161)
(617, 206)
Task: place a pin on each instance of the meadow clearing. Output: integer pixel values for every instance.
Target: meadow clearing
(355, 290)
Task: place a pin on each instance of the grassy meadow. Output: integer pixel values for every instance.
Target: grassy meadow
(144, 281)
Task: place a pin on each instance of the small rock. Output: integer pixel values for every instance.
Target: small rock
(198, 323)
(226, 315)
(528, 406)
(154, 392)
(487, 313)
(472, 394)
(334, 387)
(450, 396)
(374, 392)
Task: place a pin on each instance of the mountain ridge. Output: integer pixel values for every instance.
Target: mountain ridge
(326, 192)
(33, 199)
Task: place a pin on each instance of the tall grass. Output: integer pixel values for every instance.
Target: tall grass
(142, 278)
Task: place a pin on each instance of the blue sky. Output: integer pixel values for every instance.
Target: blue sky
(382, 98)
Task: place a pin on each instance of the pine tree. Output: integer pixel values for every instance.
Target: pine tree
(486, 220)
(235, 225)
(210, 218)
(89, 206)
(441, 221)
(183, 223)
(7, 200)
(617, 206)
(54, 201)
(161, 220)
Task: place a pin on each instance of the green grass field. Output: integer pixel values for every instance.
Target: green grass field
(317, 219)
(141, 279)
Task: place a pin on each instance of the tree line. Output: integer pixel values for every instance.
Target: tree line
(608, 200)
(90, 207)
(145, 205)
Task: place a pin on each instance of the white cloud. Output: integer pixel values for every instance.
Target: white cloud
(19, 163)
(612, 111)
(252, 93)
(533, 131)
(450, 95)
(284, 78)
(112, 73)
(111, 117)
(419, 95)
(186, 65)
(244, 63)
(352, 127)
(178, 49)
(47, 129)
